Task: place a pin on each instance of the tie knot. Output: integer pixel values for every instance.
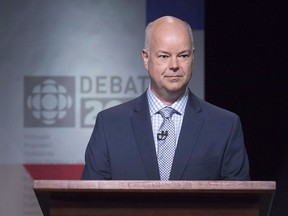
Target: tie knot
(167, 112)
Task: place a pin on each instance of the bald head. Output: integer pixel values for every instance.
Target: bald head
(166, 24)
(168, 57)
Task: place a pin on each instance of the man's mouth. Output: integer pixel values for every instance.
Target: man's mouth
(173, 76)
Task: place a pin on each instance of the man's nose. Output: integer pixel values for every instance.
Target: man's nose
(174, 65)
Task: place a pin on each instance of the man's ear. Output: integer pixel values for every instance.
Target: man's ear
(145, 58)
(193, 53)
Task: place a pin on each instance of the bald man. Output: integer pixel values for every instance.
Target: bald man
(195, 141)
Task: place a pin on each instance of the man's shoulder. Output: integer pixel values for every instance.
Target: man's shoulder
(212, 109)
(126, 107)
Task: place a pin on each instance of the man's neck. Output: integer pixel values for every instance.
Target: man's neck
(168, 98)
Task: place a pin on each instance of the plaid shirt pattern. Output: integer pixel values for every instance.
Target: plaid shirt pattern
(155, 105)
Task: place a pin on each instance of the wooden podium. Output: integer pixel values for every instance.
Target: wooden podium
(151, 198)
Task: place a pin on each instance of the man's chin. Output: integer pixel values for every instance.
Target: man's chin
(176, 89)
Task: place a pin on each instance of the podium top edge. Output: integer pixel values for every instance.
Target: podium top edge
(153, 186)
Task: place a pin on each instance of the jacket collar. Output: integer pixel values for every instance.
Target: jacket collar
(142, 128)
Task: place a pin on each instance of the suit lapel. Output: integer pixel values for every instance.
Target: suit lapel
(190, 130)
(141, 124)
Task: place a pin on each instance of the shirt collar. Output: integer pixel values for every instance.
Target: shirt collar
(155, 104)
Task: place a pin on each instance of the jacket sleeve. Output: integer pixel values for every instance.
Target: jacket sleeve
(235, 162)
(97, 163)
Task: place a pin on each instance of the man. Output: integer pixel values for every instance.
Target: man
(195, 141)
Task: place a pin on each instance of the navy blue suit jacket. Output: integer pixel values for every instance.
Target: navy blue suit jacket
(210, 145)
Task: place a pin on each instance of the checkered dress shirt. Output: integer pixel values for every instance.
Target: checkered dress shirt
(155, 105)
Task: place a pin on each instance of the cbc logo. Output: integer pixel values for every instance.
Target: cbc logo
(49, 101)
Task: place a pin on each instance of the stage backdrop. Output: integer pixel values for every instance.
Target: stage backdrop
(61, 62)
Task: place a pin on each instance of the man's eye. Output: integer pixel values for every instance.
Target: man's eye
(163, 56)
(184, 56)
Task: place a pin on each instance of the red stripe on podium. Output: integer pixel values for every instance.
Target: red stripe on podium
(55, 171)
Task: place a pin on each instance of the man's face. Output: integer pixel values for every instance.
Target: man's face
(169, 60)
